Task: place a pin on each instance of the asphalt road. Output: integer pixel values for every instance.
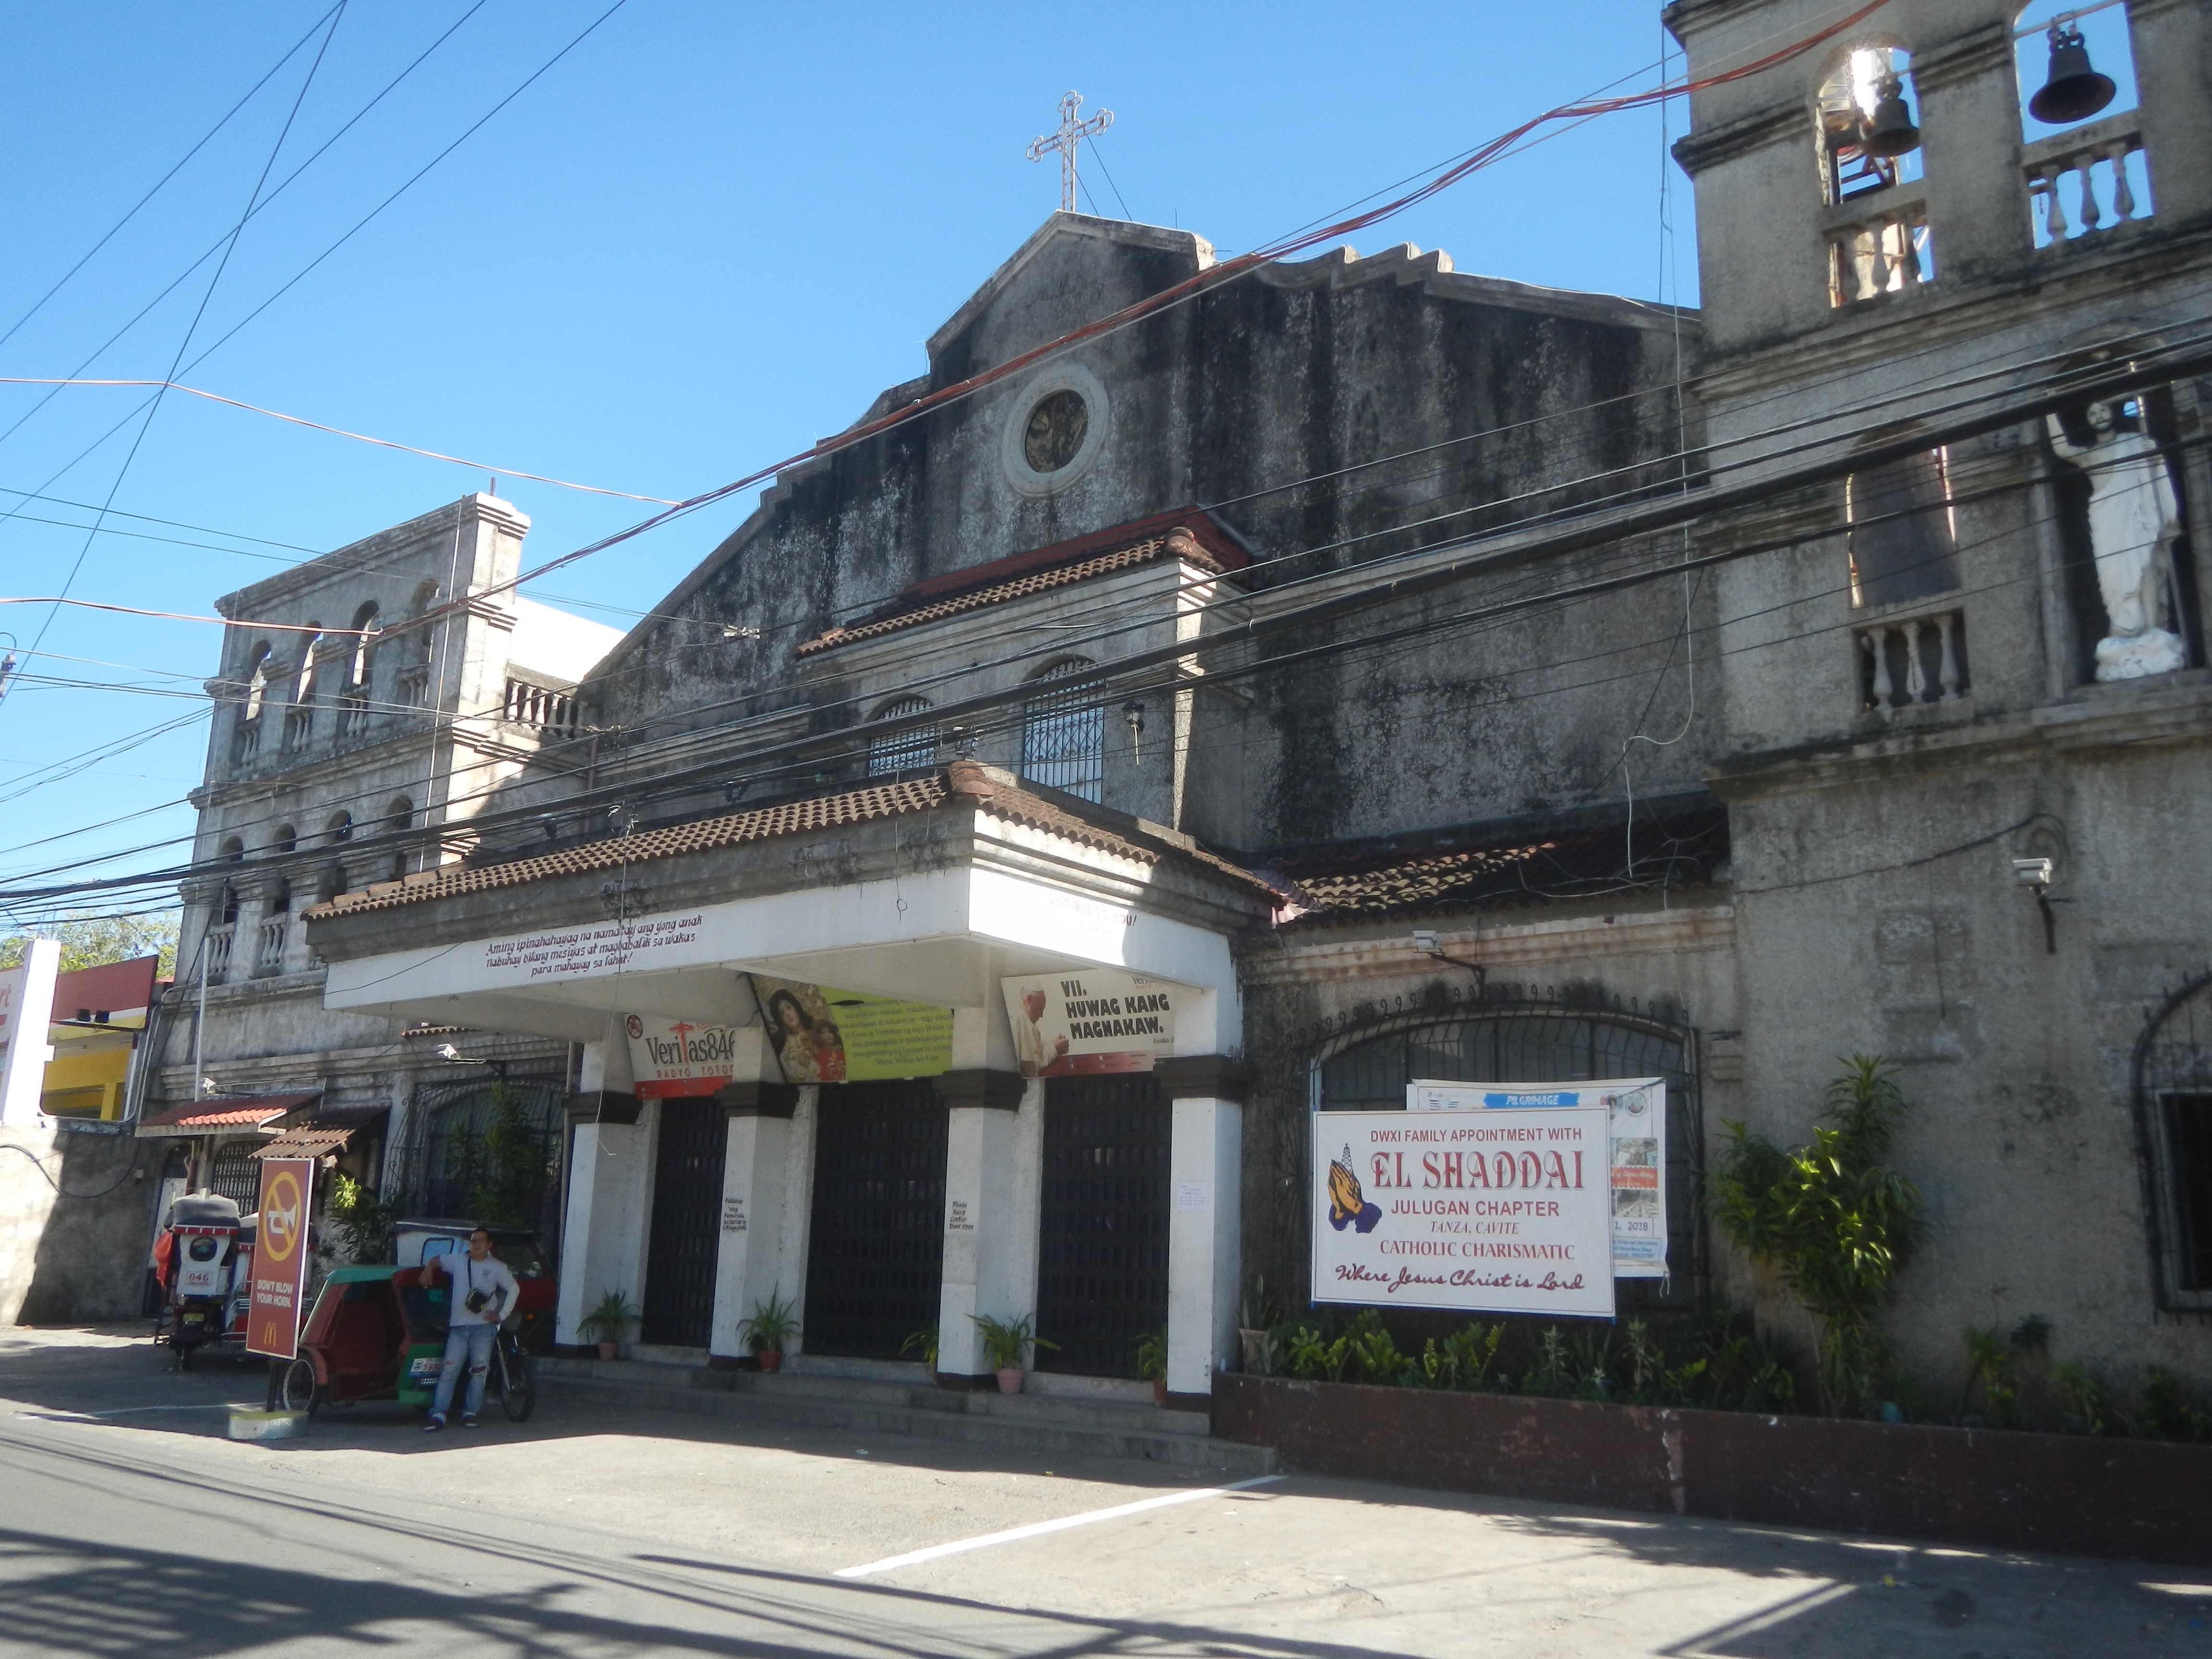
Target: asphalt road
(129, 1525)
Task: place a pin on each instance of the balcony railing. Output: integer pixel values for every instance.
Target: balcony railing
(353, 712)
(269, 956)
(217, 949)
(553, 713)
(298, 727)
(2094, 179)
(1885, 252)
(1910, 662)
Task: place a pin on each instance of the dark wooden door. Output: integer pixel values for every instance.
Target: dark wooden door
(1102, 1247)
(686, 1239)
(875, 1258)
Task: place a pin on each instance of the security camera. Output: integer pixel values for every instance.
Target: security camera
(2032, 872)
(1425, 939)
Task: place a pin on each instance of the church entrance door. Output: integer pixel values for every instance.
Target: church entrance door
(875, 1258)
(1102, 1255)
(684, 1245)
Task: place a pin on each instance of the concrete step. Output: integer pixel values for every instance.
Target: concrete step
(1036, 1426)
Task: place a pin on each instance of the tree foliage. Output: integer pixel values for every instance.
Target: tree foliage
(1832, 1220)
(90, 940)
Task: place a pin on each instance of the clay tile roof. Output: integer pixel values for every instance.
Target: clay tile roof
(243, 1111)
(880, 800)
(1679, 850)
(919, 605)
(1002, 797)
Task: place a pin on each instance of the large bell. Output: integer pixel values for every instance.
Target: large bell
(2072, 91)
(1890, 131)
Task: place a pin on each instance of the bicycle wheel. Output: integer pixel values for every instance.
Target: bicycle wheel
(299, 1391)
(518, 1388)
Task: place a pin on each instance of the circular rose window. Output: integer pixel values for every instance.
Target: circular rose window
(1053, 435)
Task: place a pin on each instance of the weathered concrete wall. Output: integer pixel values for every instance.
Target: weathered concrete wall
(76, 1215)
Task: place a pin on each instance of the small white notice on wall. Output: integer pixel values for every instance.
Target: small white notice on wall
(957, 1218)
(733, 1215)
(1191, 1197)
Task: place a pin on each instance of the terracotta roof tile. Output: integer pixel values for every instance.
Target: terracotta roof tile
(239, 1111)
(880, 800)
(1681, 850)
(1176, 543)
(1002, 798)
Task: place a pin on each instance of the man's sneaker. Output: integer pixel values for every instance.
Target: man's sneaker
(433, 1425)
(468, 1422)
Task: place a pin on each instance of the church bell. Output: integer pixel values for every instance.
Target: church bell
(1890, 131)
(2073, 91)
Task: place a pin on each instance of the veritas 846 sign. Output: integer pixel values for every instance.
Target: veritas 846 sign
(1500, 1212)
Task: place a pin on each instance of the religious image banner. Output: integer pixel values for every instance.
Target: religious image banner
(1498, 1211)
(1091, 1021)
(1636, 1115)
(822, 1035)
(673, 1058)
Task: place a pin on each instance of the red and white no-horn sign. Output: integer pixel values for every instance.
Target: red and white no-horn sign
(279, 1257)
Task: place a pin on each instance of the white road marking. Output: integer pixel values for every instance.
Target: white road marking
(128, 1411)
(1037, 1529)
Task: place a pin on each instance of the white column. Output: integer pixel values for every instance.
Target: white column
(990, 1234)
(753, 1265)
(26, 1004)
(799, 1201)
(1206, 1162)
(603, 1243)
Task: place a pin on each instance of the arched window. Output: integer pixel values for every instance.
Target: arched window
(902, 751)
(233, 851)
(303, 676)
(1869, 136)
(1543, 1043)
(257, 680)
(341, 829)
(1064, 730)
(2076, 66)
(398, 818)
(364, 644)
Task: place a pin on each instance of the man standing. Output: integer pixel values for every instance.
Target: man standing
(482, 1292)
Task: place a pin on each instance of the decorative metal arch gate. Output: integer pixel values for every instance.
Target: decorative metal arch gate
(1363, 1060)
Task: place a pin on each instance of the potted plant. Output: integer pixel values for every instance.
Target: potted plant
(1258, 1313)
(615, 1314)
(924, 1339)
(770, 1325)
(1153, 1364)
(1006, 1345)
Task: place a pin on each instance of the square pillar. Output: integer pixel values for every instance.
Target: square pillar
(1205, 1175)
(990, 1233)
(602, 1233)
(755, 1263)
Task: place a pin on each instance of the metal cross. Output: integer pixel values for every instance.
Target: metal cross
(1067, 141)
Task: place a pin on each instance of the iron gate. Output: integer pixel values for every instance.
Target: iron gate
(1546, 1042)
(685, 1244)
(1102, 1245)
(875, 1259)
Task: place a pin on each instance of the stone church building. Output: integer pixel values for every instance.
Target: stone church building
(1402, 673)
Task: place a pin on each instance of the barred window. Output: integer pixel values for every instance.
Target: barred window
(1064, 731)
(902, 751)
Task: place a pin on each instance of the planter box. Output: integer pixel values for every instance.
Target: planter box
(2070, 1494)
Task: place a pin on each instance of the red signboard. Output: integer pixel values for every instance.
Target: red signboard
(279, 1257)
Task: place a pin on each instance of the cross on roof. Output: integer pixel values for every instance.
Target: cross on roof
(1067, 141)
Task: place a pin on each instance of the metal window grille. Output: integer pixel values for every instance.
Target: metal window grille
(2172, 1067)
(876, 1255)
(903, 751)
(1064, 732)
(685, 1244)
(1102, 1269)
(1547, 1045)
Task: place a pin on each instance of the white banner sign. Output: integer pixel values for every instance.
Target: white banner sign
(1635, 1109)
(26, 1002)
(1090, 1020)
(1500, 1212)
(673, 1058)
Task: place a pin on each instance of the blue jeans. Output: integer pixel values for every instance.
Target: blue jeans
(470, 1346)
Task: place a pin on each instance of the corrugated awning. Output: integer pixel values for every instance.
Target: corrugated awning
(308, 1140)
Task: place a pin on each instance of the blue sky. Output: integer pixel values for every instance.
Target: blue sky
(707, 236)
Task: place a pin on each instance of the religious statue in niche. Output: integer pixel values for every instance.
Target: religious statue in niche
(2133, 520)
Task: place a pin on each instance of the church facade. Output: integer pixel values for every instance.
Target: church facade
(968, 885)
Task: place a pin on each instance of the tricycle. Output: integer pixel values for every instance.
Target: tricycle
(376, 1332)
(206, 1261)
